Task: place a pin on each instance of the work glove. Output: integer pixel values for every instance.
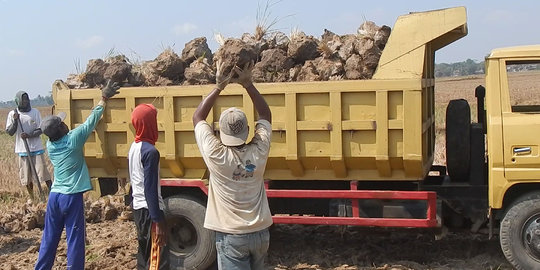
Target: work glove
(221, 79)
(244, 75)
(110, 89)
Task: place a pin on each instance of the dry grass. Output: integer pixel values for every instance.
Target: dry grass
(447, 89)
(524, 84)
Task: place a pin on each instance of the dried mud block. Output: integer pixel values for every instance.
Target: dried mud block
(353, 67)
(328, 36)
(381, 37)
(370, 53)
(349, 45)
(308, 72)
(94, 74)
(118, 69)
(168, 65)
(259, 44)
(199, 72)
(235, 52)
(135, 78)
(329, 68)
(195, 49)
(151, 77)
(278, 40)
(273, 67)
(294, 72)
(74, 81)
(367, 29)
(303, 48)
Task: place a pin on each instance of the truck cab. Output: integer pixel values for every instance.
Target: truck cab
(513, 129)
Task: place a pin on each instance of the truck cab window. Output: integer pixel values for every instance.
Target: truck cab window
(524, 85)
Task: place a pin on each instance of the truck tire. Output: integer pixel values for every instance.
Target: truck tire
(192, 246)
(458, 140)
(108, 186)
(520, 233)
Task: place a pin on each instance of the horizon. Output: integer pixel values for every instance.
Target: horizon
(63, 36)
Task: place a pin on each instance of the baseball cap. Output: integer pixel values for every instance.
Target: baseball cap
(233, 127)
(50, 125)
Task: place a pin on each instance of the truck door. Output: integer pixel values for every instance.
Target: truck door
(521, 119)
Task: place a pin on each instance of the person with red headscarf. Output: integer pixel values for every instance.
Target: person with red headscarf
(147, 202)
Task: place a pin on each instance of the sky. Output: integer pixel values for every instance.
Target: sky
(42, 41)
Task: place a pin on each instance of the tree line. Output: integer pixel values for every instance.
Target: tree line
(471, 67)
(467, 67)
(39, 101)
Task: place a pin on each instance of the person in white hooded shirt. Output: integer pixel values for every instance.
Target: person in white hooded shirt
(24, 122)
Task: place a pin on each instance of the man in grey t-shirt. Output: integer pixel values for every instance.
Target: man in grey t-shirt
(237, 206)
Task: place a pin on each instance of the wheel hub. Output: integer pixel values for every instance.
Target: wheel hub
(182, 236)
(531, 236)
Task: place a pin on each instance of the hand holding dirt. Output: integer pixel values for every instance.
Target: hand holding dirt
(110, 89)
(244, 75)
(221, 79)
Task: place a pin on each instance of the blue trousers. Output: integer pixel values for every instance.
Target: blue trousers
(242, 251)
(63, 210)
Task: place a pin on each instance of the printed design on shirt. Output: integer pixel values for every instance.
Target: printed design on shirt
(244, 171)
(237, 173)
(250, 168)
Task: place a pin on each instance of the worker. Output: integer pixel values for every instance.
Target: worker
(237, 208)
(71, 179)
(23, 122)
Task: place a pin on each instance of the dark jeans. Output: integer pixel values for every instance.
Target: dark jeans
(144, 227)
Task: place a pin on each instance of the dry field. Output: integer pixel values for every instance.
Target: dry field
(112, 244)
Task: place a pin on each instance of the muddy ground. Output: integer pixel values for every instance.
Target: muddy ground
(112, 245)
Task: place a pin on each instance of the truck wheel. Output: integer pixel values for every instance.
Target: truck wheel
(191, 245)
(108, 186)
(458, 140)
(520, 233)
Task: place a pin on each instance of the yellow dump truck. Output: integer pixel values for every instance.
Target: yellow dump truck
(352, 152)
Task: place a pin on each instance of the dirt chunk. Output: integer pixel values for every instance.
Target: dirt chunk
(195, 49)
(95, 72)
(273, 67)
(309, 72)
(235, 52)
(303, 48)
(199, 72)
(118, 69)
(329, 68)
(168, 65)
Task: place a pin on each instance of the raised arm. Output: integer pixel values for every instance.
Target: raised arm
(81, 133)
(244, 79)
(206, 105)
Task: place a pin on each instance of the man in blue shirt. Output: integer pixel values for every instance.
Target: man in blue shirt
(71, 179)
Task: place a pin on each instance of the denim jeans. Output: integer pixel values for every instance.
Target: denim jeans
(242, 251)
